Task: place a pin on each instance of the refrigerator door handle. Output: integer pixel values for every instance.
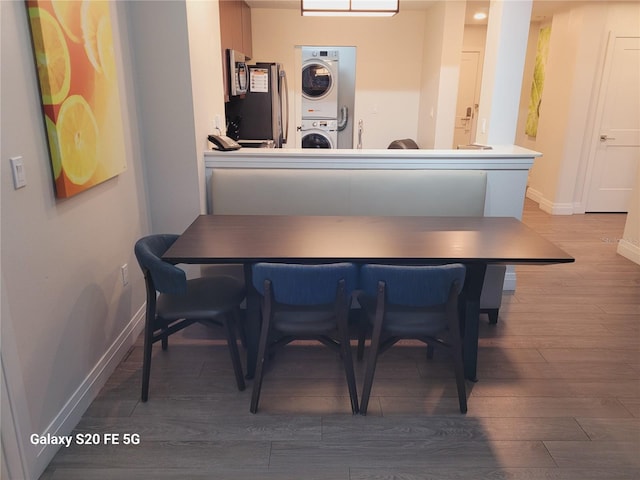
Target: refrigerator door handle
(284, 86)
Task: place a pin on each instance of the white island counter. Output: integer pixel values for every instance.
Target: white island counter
(507, 167)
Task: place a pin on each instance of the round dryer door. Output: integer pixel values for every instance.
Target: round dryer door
(316, 80)
(316, 140)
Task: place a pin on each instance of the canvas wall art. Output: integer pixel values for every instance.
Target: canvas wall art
(73, 48)
(537, 85)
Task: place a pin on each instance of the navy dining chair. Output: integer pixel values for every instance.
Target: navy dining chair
(304, 302)
(411, 302)
(173, 303)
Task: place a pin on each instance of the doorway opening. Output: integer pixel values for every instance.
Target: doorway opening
(464, 132)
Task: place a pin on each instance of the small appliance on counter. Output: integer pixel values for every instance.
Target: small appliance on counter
(260, 118)
(224, 143)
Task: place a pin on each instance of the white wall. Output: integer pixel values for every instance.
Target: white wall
(629, 245)
(64, 308)
(431, 82)
(566, 125)
(502, 69)
(449, 71)
(206, 79)
(388, 66)
(164, 94)
(66, 318)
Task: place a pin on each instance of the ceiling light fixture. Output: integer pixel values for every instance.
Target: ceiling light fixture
(480, 15)
(350, 8)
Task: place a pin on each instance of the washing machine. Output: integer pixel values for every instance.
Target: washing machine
(319, 83)
(319, 133)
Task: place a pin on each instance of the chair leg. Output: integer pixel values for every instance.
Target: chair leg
(456, 344)
(242, 331)
(347, 360)
(262, 353)
(373, 355)
(430, 351)
(493, 315)
(165, 336)
(232, 342)
(460, 382)
(146, 358)
(362, 333)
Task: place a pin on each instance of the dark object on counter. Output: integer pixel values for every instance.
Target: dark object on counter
(233, 128)
(405, 143)
(223, 143)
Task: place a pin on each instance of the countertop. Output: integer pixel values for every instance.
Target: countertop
(499, 157)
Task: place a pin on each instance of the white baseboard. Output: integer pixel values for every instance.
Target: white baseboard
(534, 194)
(549, 206)
(629, 250)
(66, 420)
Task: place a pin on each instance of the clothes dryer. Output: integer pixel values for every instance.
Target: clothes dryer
(319, 83)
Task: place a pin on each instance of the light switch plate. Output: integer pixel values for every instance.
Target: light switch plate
(17, 169)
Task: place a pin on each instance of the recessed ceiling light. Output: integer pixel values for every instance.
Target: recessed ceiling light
(480, 16)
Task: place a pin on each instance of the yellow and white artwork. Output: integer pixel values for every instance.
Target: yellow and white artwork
(73, 49)
(537, 85)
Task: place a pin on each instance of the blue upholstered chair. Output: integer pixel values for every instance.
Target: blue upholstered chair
(417, 302)
(304, 302)
(173, 302)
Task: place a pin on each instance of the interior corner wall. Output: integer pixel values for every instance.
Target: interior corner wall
(432, 46)
(554, 111)
(629, 244)
(452, 41)
(205, 57)
(64, 308)
(163, 84)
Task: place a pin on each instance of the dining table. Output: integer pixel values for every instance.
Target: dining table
(398, 240)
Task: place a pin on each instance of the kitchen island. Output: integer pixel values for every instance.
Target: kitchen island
(506, 169)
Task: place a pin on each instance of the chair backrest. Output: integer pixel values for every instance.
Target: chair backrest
(295, 284)
(165, 277)
(405, 143)
(413, 286)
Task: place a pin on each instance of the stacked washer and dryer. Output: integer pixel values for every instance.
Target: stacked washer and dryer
(319, 98)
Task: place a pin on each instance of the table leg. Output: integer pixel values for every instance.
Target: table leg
(252, 321)
(470, 313)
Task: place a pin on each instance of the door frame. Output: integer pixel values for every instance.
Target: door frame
(477, 87)
(593, 140)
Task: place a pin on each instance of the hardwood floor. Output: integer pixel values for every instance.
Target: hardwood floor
(558, 395)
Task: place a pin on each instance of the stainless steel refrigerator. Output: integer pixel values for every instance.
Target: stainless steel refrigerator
(260, 118)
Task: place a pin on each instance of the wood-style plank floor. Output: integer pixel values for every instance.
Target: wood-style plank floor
(558, 395)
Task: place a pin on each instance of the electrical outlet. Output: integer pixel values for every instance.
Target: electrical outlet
(124, 270)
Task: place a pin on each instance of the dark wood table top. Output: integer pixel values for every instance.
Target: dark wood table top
(280, 238)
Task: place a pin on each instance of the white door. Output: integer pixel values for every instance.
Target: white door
(617, 151)
(467, 104)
